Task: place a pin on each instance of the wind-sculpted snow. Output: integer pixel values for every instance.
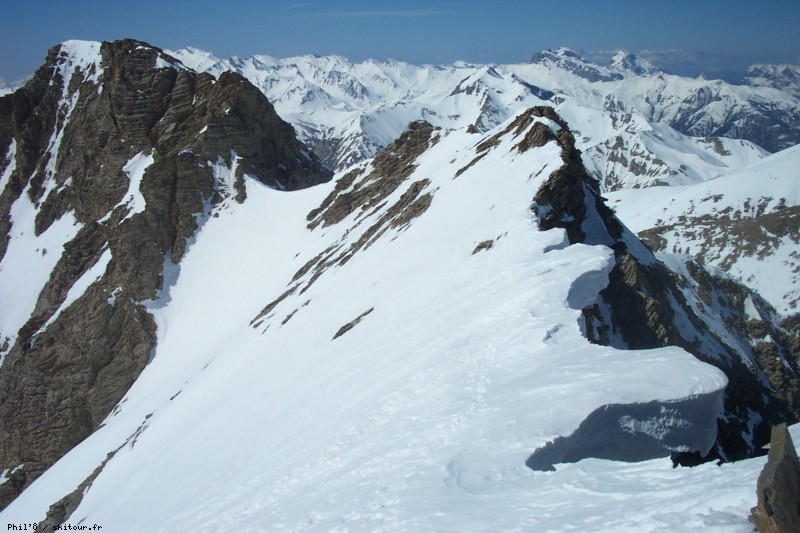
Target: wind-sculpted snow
(403, 389)
(637, 432)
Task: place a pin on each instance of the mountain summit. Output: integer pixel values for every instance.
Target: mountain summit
(621, 65)
(114, 155)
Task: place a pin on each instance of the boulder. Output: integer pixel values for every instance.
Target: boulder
(778, 488)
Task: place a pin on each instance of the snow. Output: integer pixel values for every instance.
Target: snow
(10, 164)
(225, 174)
(362, 107)
(30, 259)
(422, 416)
(4, 475)
(79, 287)
(84, 55)
(467, 365)
(758, 189)
(193, 58)
(134, 200)
(163, 63)
(28, 263)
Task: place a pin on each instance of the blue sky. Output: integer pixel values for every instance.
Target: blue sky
(721, 34)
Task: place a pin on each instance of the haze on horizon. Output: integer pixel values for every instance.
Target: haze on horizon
(713, 37)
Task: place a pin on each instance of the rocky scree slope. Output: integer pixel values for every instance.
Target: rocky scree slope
(112, 156)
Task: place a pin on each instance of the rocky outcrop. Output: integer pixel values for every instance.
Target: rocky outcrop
(778, 488)
(362, 194)
(391, 168)
(139, 151)
(643, 306)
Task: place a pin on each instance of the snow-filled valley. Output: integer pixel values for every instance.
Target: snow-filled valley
(402, 347)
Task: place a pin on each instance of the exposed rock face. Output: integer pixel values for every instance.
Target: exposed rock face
(778, 487)
(644, 306)
(138, 151)
(391, 167)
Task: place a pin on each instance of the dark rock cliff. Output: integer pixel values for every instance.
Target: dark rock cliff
(645, 306)
(69, 139)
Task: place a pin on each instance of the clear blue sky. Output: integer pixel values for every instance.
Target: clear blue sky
(415, 31)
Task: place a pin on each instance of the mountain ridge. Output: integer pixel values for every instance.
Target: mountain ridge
(424, 333)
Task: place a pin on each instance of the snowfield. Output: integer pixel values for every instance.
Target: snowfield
(422, 415)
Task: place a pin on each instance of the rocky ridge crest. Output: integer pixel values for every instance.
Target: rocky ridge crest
(648, 305)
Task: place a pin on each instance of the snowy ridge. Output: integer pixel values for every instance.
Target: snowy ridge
(260, 409)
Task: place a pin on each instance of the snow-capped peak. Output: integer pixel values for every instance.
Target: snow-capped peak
(783, 77)
(571, 61)
(626, 62)
(194, 58)
(84, 55)
(622, 64)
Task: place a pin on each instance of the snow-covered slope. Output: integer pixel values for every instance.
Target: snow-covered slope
(745, 223)
(385, 352)
(111, 160)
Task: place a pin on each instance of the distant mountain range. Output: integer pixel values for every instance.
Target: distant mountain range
(347, 111)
